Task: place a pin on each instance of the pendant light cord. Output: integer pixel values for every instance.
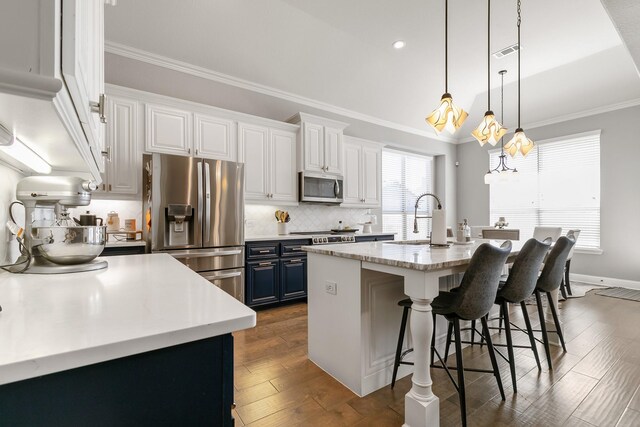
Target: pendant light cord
(502, 73)
(446, 46)
(519, 49)
(489, 55)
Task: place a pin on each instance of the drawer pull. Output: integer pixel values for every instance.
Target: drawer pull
(299, 248)
(265, 264)
(265, 251)
(295, 261)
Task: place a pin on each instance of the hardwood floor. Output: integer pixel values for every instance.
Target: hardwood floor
(596, 383)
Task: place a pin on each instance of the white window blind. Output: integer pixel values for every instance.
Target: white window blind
(404, 177)
(558, 185)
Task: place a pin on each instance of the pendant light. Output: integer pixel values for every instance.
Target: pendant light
(502, 172)
(489, 130)
(447, 116)
(519, 142)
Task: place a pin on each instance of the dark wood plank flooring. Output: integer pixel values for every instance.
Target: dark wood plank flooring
(596, 383)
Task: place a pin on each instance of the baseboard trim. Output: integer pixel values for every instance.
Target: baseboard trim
(597, 280)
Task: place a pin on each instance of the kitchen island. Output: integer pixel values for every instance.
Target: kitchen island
(354, 319)
(144, 341)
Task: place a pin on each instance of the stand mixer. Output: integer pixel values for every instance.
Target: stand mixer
(52, 240)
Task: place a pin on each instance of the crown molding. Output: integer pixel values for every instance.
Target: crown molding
(572, 116)
(205, 73)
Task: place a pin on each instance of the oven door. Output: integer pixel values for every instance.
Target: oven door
(320, 188)
(231, 281)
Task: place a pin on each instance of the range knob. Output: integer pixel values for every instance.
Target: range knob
(325, 240)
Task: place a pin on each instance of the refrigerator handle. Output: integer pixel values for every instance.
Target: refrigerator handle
(200, 201)
(207, 202)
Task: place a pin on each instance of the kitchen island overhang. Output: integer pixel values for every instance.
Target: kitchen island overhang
(133, 336)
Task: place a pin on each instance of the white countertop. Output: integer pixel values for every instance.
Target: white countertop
(51, 323)
(412, 256)
(298, 236)
(125, 243)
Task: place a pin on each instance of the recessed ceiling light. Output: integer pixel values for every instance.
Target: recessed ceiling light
(398, 44)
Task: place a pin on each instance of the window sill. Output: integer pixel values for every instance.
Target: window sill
(589, 251)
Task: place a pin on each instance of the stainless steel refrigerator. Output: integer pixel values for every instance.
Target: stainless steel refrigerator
(193, 209)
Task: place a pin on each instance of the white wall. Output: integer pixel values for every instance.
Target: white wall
(619, 189)
(8, 180)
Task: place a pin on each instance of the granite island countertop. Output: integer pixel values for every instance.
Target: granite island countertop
(51, 323)
(293, 236)
(417, 256)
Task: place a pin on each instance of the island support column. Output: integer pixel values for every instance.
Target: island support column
(421, 406)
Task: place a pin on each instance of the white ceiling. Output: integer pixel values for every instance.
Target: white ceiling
(339, 52)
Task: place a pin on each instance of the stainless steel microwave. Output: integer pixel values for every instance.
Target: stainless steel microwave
(320, 188)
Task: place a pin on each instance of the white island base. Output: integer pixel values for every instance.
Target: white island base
(353, 333)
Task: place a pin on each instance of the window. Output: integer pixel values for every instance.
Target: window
(405, 176)
(558, 184)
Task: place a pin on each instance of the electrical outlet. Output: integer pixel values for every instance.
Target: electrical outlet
(331, 288)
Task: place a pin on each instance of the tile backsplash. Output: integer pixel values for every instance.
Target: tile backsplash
(8, 180)
(260, 219)
(126, 209)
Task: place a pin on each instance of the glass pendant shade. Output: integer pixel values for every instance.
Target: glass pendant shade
(489, 130)
(520, 143)
(447, 116)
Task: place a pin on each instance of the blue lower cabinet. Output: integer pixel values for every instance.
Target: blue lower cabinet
(293, 278)
(263, 282)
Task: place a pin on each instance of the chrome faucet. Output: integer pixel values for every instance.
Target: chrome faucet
(415, 213)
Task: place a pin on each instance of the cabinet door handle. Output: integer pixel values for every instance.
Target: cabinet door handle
(196, 151)
(109, 187)
(265, 264)
(188, 150)
(98, 107)
(104, 187)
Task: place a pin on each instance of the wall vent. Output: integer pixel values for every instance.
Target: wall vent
(506, 51)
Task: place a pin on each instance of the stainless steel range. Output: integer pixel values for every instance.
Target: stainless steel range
(328, 237)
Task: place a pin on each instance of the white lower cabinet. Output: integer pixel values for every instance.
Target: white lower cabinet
(123, 157)
(362, 173)
(270, 169)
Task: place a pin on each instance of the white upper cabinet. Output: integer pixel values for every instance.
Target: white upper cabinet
(333, 150)
(168, 130)
(314, 147)
(283, 165)
(52, 81)
(363, 173)
(269, 155)
(124, 159)
(253, 150)
(83, 64)
(352, 192)
(319, 144)
(214, 138)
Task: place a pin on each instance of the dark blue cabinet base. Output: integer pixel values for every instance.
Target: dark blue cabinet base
(187, 384)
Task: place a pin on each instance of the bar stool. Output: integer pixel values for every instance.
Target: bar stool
(472, 301)
(549, 281)
(565, 287)
(519, 285)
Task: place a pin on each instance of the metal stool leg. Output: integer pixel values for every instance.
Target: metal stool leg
(543, 327)
(567, 284)
(460, 369)
(556, 320)
(448, 345)
(512, 359)
(492, 355)
(532, 338)
(403, 327)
